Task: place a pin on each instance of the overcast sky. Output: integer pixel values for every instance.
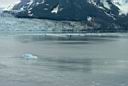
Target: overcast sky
(5, 3)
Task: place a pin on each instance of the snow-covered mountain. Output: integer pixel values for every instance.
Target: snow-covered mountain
(103, 13)
(122, 5)
(58, 7)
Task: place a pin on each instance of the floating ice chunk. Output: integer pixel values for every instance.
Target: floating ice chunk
(29, 56)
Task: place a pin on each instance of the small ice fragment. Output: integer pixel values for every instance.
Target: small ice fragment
(29, 56)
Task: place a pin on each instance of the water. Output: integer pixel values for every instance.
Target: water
(97, 60)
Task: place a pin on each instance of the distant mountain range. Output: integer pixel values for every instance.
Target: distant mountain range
(101, 15)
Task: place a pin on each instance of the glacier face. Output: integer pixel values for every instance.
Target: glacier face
(10, 24)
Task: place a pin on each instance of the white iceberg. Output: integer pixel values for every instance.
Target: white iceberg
(29, 56)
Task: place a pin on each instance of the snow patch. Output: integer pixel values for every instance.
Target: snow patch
(98, 4)
(55, 10)
(89, 18)
(10, 7)
(30, 14)
(122, 5)
(92, 2)
(30, 3)
(37, 3)
(45, 8)
(43, 1)
(110, 15)
(105, 4)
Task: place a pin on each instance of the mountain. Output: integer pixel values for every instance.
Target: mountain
(99, 14)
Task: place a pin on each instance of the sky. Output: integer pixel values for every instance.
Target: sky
(6, 3)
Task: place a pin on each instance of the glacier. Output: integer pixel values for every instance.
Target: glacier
(9, 23)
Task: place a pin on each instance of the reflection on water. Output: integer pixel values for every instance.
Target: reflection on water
(94, 61)
(70, 64)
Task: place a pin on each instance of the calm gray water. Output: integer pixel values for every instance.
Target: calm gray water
(97, 61)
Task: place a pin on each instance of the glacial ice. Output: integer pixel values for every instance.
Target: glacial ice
(21, 25)
(29, 56)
